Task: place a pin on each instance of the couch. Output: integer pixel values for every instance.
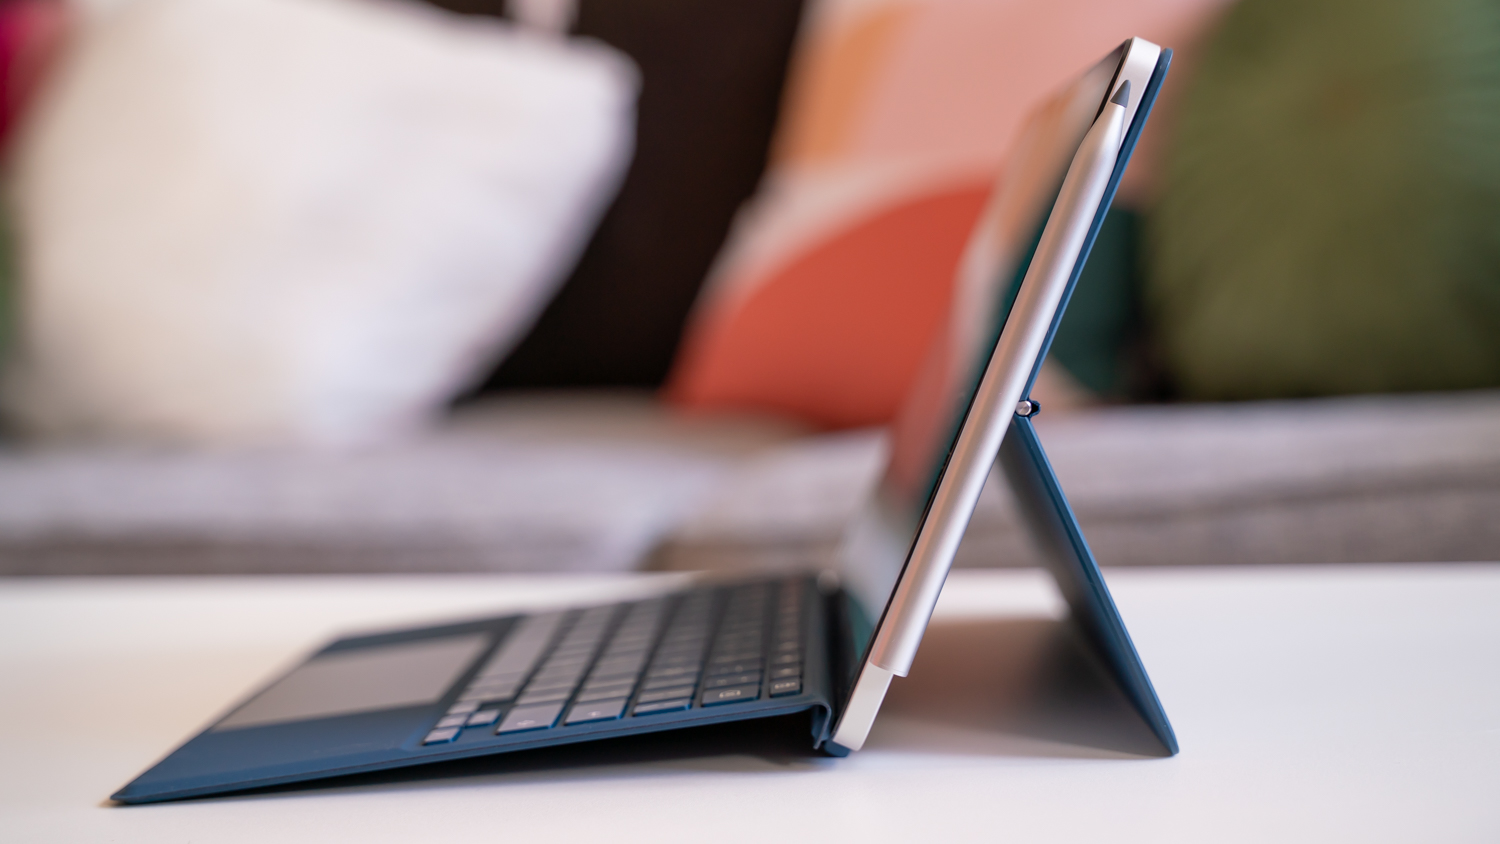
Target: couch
(612, 480)
(565, 459)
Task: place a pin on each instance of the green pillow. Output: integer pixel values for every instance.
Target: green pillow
(1330, 214)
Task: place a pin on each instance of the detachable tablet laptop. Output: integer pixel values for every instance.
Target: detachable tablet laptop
(825, 645)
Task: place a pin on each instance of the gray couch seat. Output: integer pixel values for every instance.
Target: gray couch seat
(527, 483)
(1374, 479)
(614, 481)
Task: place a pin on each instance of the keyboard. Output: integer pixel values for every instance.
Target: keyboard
(710, 647)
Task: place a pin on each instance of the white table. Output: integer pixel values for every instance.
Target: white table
(1317, 704)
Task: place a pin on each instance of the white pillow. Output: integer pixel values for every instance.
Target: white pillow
(297, 220)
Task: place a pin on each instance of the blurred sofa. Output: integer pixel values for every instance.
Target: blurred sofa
(610, 480)
(565, 460)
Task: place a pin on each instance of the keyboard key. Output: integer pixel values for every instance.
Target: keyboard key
(530, 718)
(570, 657)
(618, 669)
(687, 636)
(673, 680)
(555, 678)
(482, 699)
(780, 688)
(500, 679)
(616, 674)
(462, 708)
(452, 721)
(692, 663)
(684, 667)
(604, 710)
(665, 694)
(785, 659)
(732, 630)
(595, 697)
(553, 685)
(657, 681)
(677, 666)
(605, 693)
(674, 705)
(731, 694)
(613, 679)
(549, 689)
(549, 692)
(551, 696)
(442, 736)
(630, 661)
(732, 680)
(523, 645)
(497, 683)
(483, 718)
(733, 668)
(742, 667)
(785, 672)
(489, 693)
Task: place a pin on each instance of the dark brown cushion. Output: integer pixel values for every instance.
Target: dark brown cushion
(712, 75)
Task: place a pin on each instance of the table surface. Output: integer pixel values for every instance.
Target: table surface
(1314, 703)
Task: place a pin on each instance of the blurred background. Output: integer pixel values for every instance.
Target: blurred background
(558, 285)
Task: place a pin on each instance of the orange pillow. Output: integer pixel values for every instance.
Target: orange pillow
(838, 335)
(897, 120)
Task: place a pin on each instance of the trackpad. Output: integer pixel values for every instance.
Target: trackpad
(362, 679)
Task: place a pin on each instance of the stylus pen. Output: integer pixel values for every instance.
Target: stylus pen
(1004, 379)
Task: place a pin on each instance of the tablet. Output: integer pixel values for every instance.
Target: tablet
(1022, 263)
